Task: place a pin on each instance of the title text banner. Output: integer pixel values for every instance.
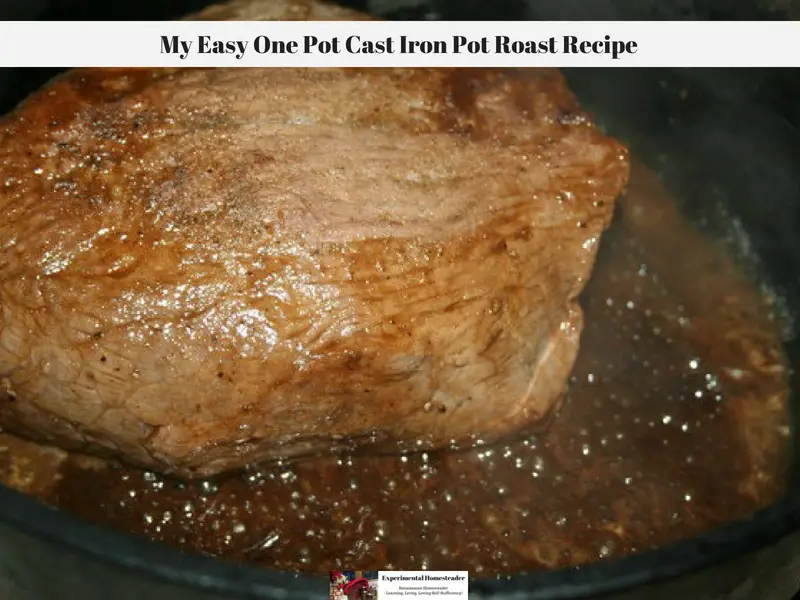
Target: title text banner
(400, 44)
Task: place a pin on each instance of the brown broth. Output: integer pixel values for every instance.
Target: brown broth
(675, 422)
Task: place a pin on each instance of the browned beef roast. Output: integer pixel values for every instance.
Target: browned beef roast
(200, 269)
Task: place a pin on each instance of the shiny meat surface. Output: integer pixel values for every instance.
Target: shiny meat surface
(202, 269)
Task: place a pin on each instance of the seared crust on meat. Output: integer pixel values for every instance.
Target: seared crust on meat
(204, 268)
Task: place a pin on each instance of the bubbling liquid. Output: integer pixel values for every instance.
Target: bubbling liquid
(675, 422)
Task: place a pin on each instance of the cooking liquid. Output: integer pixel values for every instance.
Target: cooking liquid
(675, 422)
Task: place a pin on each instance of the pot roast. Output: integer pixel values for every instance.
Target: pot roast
(206, 268)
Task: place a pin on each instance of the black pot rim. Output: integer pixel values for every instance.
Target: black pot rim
(162, 562)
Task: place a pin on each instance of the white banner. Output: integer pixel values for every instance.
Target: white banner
(423, 585)
(400, 44)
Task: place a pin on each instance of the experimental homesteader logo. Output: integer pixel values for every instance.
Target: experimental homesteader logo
(354, 585)
(445, 585)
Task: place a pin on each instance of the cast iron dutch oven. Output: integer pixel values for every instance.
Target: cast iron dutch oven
(740, 143)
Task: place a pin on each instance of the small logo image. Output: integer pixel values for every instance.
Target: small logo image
(354, 585)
